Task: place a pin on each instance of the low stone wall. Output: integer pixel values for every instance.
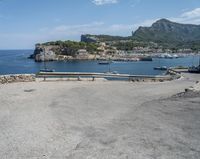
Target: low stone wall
(17, 78)
(163, 79)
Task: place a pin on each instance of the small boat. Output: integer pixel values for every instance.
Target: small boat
(47, 70)
(175, 56)
(147, 58)
(166, 56)
(104, 62)
(163, 68)
(115, 72)
(194, 69)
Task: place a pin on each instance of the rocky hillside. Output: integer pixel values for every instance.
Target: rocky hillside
(50, 51)
(165, 31)
(162, 35)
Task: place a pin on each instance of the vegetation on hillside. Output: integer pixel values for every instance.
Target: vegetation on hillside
(163, 34)
(166, 34)
(70, 47)
(170, 35)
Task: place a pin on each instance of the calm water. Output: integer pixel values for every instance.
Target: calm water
(15, 61)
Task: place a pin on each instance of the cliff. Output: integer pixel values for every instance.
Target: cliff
(59, 50)
(44, 53)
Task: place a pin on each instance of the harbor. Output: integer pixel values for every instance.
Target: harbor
(22, 65)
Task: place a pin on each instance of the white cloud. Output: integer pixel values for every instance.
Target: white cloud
(76, 29)
(103, 2)
(120, 27)
(188, 17)
(65, 32)
(192, 14)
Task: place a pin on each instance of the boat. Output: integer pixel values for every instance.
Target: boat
(147, 58)
(163, 68)
(167, 56)
(47, 70)
(104, 62)
(175, 56)
(195, 69)
(115, 72)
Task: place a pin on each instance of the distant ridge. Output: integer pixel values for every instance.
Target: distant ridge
(164, 32)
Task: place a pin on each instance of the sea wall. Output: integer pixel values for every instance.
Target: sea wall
(17, 78)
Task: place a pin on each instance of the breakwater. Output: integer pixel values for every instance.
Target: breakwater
(17, 78)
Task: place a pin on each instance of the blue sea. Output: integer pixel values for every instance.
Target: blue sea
(17, 62)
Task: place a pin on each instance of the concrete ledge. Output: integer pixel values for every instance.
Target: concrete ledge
(17, 78)
(109, 76)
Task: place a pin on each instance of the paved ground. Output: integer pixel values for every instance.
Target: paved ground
(103, 120)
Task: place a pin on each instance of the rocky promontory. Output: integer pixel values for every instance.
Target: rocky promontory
(64, 50)
(43, 53)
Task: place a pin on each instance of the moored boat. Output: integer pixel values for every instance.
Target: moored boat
(163, 68)
(104, 62)
(194, 69)
(146, 58)
(47, 70)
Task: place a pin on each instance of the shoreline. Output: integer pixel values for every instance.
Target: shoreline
(134, 57)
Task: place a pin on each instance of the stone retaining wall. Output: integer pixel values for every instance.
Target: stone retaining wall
(151, 79)
(17, 78)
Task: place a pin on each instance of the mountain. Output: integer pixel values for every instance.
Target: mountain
(165, 31)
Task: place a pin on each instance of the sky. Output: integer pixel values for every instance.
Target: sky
(23, 23)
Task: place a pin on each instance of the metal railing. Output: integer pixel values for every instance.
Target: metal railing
(110, 76)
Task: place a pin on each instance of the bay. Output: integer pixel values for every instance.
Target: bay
(17, 62)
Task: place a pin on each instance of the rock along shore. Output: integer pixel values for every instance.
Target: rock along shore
(17, 78)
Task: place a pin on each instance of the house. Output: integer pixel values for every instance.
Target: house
(82, 52)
